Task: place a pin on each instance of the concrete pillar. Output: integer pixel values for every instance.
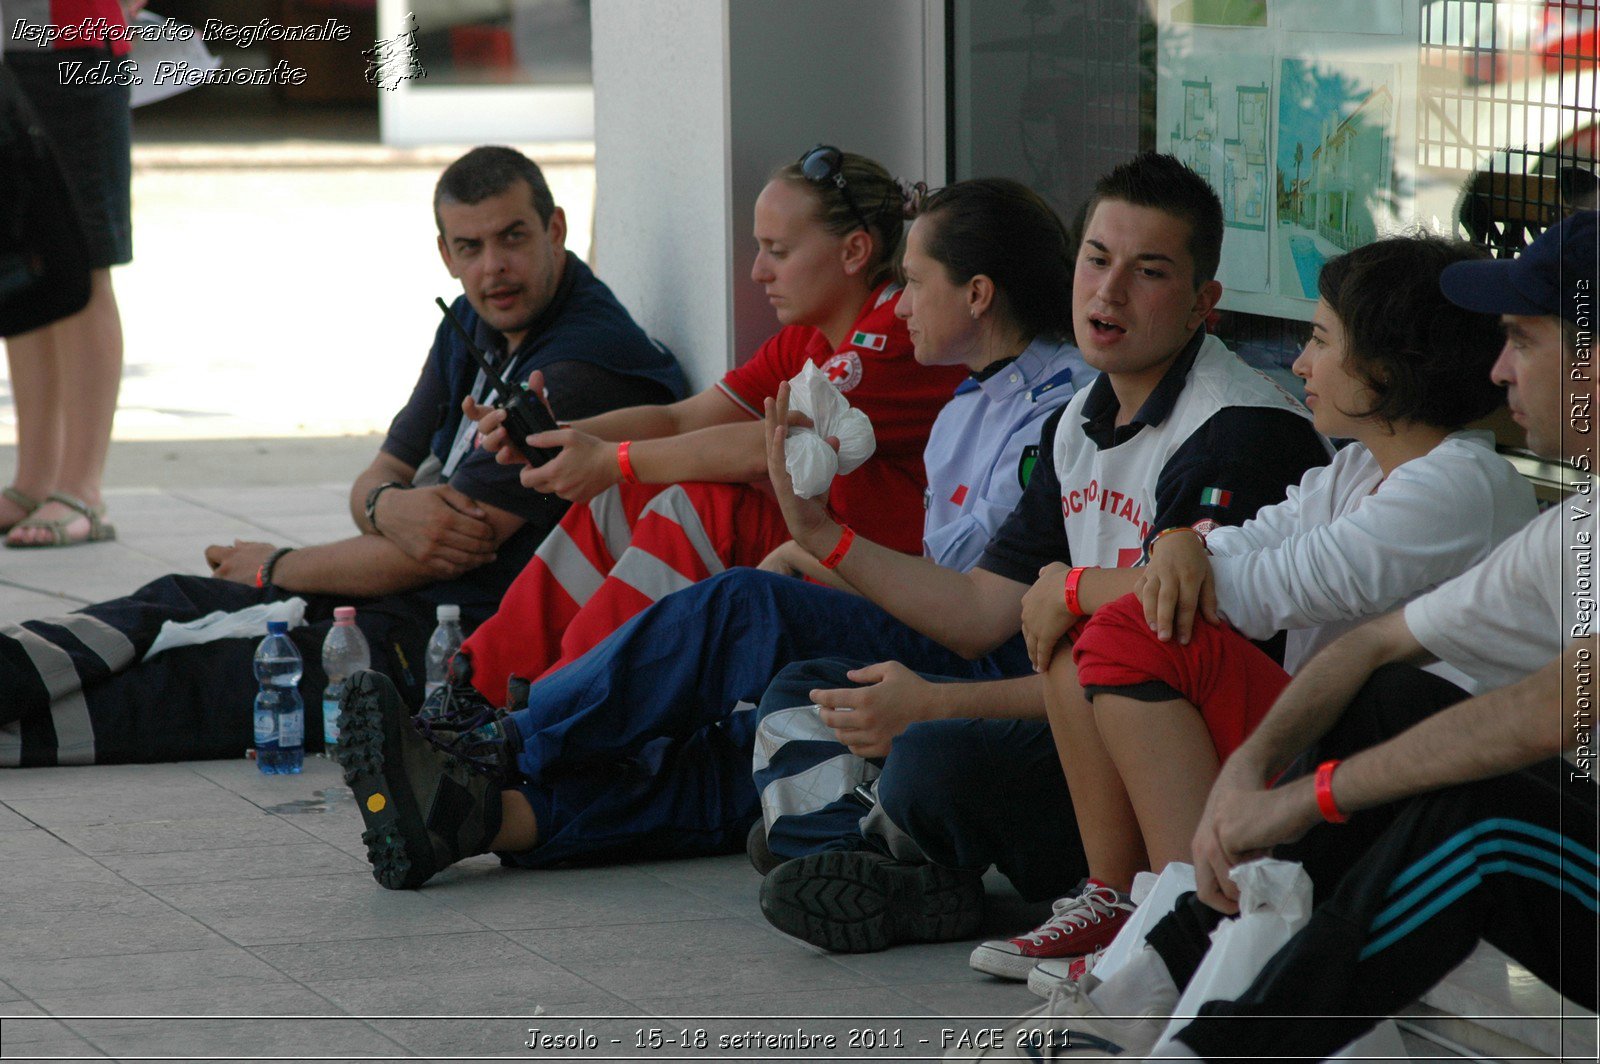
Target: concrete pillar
(696, 101)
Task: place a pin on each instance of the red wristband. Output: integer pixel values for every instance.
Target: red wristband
(847, 536)
(1325, 803)
(1074, 575)
(625, 463)
(261, 575)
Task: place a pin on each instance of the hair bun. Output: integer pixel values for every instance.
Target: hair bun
(911, 196)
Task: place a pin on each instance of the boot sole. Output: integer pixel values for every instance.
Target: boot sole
(849, 905)
(391, 816)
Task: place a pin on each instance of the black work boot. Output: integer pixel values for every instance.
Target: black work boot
(762, 859)
(860, 901)
(425, 809)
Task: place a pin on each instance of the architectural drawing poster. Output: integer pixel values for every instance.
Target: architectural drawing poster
(1295, 130)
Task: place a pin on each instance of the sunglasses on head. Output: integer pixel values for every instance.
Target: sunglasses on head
(824, 165)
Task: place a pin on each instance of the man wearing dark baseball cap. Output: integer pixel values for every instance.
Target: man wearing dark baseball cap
(1435, 817)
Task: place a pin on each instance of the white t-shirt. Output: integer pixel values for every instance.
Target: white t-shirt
(1513, 614)
(1347, 543)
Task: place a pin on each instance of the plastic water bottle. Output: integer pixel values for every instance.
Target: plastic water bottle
(442, 647)
(344, 653)
(280, 715)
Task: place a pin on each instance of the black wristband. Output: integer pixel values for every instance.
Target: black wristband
(372, 501)
(272, 563)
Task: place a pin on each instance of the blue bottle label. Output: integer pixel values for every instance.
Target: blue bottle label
(265, 726)
(330, 719)
(292, 729)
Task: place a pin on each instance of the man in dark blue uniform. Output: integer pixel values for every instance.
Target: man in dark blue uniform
(438, 520)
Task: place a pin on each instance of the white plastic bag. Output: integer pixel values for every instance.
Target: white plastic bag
(1274, 903)
(1155, 896)
(219, 624)
(812, 464)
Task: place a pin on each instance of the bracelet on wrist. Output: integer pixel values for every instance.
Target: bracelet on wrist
(625, 463)
(847, 537)
(376, 493)
(1070, 593)
(264, 574)
(1180, 528)
(1324, 789)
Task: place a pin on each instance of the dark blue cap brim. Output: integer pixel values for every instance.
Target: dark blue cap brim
(1494, 287)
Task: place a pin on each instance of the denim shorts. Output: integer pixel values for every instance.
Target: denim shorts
(91, 130)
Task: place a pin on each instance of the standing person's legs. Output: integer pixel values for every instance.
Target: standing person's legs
(73, 368)
(35, 370)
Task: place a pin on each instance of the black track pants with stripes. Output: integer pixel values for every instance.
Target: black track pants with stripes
(75, 690)
(1510, 861)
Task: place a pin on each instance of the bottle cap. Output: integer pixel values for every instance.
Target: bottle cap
(277, 627)
(344, 615)
(448, 613)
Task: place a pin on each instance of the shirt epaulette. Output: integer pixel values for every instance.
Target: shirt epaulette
(1064, 377)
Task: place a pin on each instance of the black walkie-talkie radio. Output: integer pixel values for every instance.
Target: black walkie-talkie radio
(525, 412)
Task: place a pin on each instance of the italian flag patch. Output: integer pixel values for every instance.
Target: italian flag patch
(1215, 497)
(870, 341)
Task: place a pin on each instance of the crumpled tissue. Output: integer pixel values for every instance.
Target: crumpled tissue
(219, 624)
(812, 464)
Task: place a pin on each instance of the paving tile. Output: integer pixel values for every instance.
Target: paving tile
(480, 990)
(37, 844)
(43, 873)
(187, 800)
(169, 836)
(24, 783)
(9, 993)
(11, 820)
(992, 1002)
(325, 962)
(906, 965)
(22, 604)
(682, 942)
(222, 866)
(56, 977)
(67, 935)
(650, 975)
(343, 833)
(726, 881)
(276, 998)
(512, 898)
(69, 898)
(319, 779)
(232, 1037)
(317, 908)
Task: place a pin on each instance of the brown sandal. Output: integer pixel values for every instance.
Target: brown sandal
(22, 501)
(99, 530)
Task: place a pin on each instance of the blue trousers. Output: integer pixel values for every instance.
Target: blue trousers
(963, 793)
(639, 748)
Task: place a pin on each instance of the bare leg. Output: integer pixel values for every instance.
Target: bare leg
(1106, 819)
(518, 831)
(1167, 764)
(85, 351)
(36, 397)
